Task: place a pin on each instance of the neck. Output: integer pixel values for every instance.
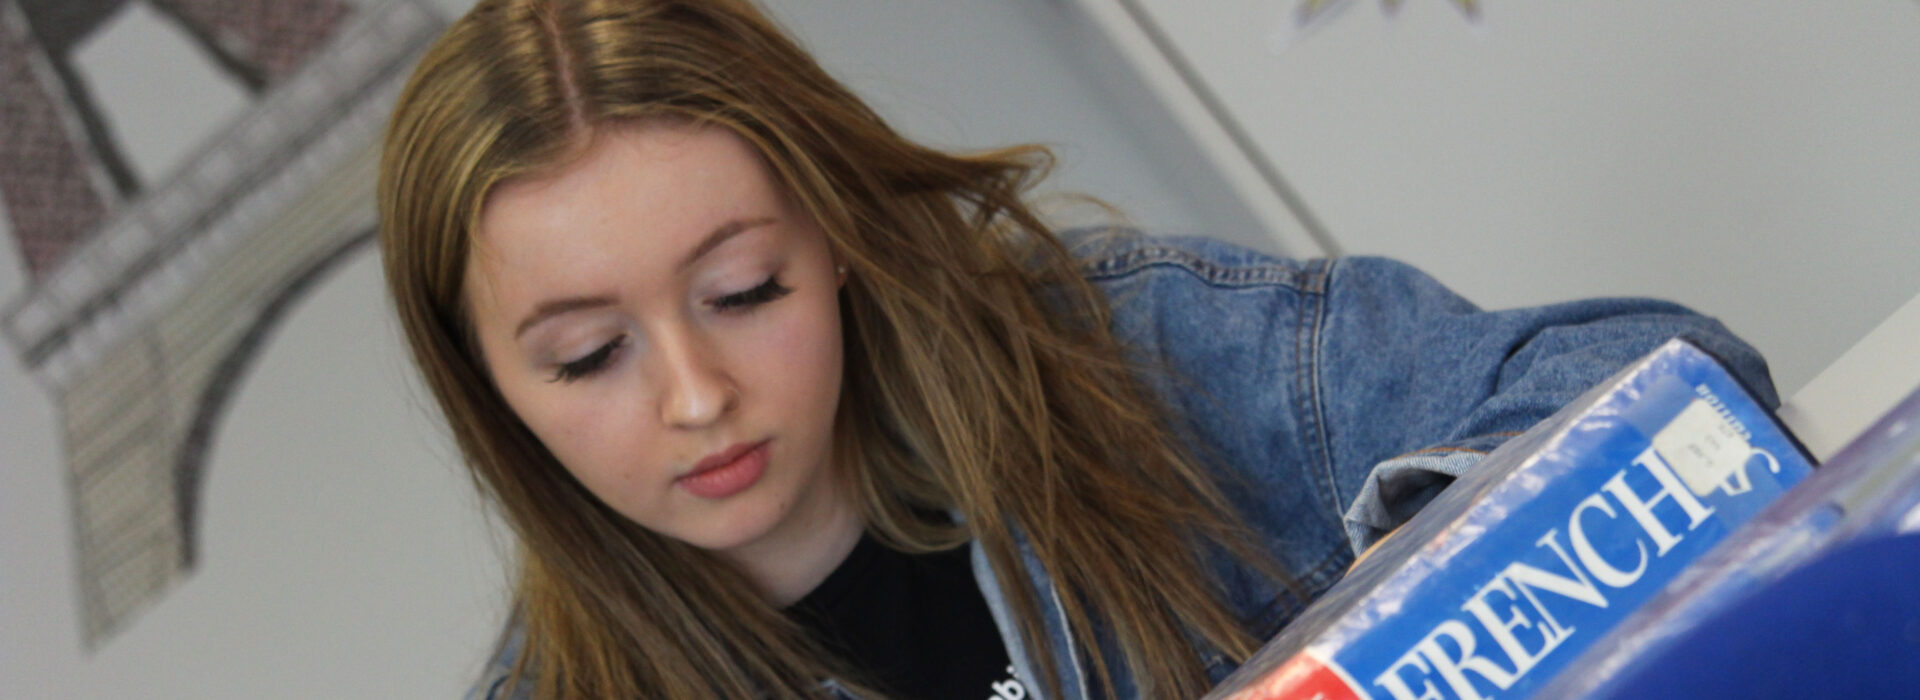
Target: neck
(788, 568)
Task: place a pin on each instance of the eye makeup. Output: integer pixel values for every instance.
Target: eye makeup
(591, 363)
(740, 301)
(594, 362)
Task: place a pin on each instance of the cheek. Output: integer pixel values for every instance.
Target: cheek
(799, 358)
(586, 428)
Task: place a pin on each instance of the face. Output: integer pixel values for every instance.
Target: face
(666, 321)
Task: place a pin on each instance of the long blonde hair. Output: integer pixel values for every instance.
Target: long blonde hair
(981, 378)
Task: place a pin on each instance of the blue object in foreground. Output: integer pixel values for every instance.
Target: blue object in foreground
(1844, 626)
(1870, 489)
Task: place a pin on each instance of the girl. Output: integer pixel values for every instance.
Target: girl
(778, 403)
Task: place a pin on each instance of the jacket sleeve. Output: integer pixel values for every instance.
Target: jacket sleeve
(1415, 384)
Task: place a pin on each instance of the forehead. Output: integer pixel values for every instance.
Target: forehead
(664, 170)
(631, 200)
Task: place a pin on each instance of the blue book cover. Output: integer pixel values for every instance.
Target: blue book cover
(1515, 569)
(1870, 488)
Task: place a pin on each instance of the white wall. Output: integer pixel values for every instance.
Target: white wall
(975, 74)
(342, 552)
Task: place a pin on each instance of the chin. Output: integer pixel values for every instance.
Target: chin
(730, 528)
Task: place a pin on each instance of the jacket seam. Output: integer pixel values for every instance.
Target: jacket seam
(1214, 273)
(1313, 316)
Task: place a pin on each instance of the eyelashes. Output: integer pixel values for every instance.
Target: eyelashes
(767, 291)
(593, 362)
(736, 302)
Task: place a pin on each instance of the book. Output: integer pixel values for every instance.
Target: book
(1541, 548)
(1869, 489)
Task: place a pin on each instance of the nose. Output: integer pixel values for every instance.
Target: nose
(696, 390)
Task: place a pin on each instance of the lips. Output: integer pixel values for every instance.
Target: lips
(726, 472)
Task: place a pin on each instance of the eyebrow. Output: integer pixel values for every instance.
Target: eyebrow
(719, 236)
(555, 307)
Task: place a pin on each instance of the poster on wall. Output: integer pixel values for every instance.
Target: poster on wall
(158, 258)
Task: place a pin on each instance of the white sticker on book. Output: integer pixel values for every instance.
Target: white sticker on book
(1704, 449)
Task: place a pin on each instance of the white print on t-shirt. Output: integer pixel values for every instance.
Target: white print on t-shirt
(1009, 689)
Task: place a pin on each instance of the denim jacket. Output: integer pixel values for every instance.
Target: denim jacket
(1332, 399)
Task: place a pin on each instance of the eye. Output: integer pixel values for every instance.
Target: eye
(767, 291)
(593, 362)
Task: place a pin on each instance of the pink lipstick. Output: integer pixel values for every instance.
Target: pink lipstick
(727, 472)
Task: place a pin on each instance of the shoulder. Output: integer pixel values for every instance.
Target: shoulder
(1226, 337)
(1192, 300)
(1183, 284)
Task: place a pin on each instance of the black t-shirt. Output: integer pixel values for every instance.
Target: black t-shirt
(916, 623)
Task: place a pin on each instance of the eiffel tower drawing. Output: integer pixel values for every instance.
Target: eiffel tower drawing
(148, 300)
